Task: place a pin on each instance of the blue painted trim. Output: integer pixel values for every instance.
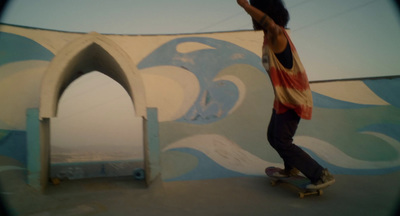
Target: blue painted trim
(153, 143)
(33, 147)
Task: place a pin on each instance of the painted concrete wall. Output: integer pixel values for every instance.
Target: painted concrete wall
(214, 100)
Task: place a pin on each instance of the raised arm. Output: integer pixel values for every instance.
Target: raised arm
(274, 31)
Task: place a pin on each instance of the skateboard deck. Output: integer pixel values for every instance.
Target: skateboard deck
(299, 182)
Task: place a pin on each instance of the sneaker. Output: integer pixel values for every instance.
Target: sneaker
(286, 173)
(326, 180)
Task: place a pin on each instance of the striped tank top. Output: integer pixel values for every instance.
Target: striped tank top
(291, 87)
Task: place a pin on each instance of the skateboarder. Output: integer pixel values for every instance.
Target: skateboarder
(293, 99)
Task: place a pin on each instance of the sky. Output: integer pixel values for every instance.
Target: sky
(128, 16)
(336, 39)
(175, 16)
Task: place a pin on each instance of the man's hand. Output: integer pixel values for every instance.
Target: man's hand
(243, 3)
(274, 32)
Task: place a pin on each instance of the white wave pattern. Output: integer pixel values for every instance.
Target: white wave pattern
(232, 157)
(333, 155)
(225, 152)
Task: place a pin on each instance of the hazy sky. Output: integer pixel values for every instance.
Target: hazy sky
(178, 16)
(337, 39)
(128, 16)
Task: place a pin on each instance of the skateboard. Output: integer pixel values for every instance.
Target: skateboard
(299, 182)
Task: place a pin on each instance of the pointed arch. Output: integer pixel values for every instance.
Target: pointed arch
(90, 52)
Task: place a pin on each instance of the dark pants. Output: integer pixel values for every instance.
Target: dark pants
(281, 130)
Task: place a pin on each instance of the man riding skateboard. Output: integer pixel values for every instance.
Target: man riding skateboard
(293, 98)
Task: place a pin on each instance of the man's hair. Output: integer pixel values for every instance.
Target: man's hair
(273, 8)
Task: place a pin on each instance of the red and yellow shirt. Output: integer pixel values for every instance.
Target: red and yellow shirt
(291, 87)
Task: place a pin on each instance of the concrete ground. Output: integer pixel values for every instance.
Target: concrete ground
(351, 195)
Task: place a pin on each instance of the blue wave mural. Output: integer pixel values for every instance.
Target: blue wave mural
(387, 89)
(14, 48)
(217, 98)
(323, 101)
(224, 129)
(362, 136)
(13, 145)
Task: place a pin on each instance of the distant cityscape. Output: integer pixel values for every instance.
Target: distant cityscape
(95, 153)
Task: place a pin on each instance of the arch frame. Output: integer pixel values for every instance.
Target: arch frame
(91, 52)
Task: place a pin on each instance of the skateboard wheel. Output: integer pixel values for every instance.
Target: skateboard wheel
(273, 183)
(139, 174)
(301, 195)
(320, 192)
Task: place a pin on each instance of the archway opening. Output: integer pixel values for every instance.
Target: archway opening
(95, 132)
